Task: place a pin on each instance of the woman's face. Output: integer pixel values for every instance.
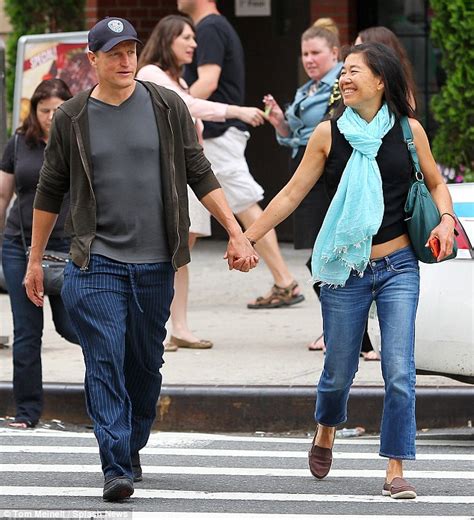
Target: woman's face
(358, 83)
(317, 57)
(183, 46)
(45, 111)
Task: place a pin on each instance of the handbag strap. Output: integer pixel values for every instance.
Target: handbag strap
(17, 191)
(408, 138)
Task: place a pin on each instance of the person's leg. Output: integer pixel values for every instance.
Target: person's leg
(268, 248)
(179, 308)
(27, 333)
(318, 343)
(397, 301)
(345, 311)
(227, 156)
(97, 301)
(147, 316)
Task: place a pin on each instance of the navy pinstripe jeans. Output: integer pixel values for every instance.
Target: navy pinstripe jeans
(119, 312)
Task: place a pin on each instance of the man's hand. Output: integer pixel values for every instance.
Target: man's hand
(34, 283)
(240, 254)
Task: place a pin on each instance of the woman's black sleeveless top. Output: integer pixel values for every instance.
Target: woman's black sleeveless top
(396, 172)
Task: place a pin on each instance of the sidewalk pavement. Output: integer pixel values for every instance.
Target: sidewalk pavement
(259, 375)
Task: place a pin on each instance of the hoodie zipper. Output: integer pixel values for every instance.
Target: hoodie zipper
(82, 155)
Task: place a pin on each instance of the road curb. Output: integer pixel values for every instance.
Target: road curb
(258, 408)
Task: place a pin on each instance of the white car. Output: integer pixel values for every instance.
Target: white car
(445, 319)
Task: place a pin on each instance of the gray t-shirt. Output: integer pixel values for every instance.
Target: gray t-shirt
(124, 144)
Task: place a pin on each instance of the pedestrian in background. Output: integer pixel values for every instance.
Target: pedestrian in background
(171, 46)
(126, 151)
(372, 259)
(314, 101)
(19, 172)
(217, 73)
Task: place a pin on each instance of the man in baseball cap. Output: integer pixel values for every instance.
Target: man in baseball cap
(125, 151)
(109, 32)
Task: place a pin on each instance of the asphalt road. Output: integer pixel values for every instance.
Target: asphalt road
(56, 474)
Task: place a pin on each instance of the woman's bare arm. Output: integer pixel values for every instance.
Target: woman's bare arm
(305, 177)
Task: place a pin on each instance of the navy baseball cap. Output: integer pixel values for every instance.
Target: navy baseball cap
(109, 32)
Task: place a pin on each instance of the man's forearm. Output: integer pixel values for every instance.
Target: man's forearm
(43, 224)
(216, 203)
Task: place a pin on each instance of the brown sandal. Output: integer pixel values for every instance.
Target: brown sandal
(279, 297)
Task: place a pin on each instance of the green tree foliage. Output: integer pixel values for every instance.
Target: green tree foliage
(38, 17)
(452, 30)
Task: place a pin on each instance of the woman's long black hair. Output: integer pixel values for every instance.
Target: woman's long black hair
(384, 63)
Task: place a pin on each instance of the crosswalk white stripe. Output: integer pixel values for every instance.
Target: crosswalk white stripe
(178, 515)
(157, 439)
(203, 452)
(264, 472)
(230, 496)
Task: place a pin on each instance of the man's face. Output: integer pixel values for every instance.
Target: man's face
(186, 6)
(117, 67)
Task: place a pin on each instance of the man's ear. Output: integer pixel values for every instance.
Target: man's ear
(92, 56)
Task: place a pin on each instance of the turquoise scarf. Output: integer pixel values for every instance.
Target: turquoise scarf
(356, 211)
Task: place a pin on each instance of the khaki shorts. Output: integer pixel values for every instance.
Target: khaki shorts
(226, 154)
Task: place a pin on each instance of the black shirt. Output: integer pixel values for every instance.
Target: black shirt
(395, 169)
(26, 167)
(219, 44)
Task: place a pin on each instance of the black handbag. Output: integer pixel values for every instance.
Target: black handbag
(53, 262)
(422, 214)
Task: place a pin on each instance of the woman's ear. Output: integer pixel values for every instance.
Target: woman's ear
(380, 84)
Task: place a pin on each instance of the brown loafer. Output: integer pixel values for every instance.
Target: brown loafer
(320, 459)
(398, 488)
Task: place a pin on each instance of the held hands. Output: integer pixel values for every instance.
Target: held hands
(444, 232)
(240, 254)
(33, 283)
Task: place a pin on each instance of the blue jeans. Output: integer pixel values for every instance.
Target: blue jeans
(28, 330)
(119, 311)
(393, 282)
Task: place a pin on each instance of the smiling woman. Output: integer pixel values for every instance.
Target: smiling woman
(362, 253)
(314, 101)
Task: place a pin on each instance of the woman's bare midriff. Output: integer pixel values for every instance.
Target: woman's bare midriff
(387, 248)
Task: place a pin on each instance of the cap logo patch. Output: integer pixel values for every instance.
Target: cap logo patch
(115, 25)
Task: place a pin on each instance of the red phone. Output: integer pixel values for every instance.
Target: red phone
(434, 246)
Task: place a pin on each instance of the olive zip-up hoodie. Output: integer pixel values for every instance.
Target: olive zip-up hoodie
(68, 167)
